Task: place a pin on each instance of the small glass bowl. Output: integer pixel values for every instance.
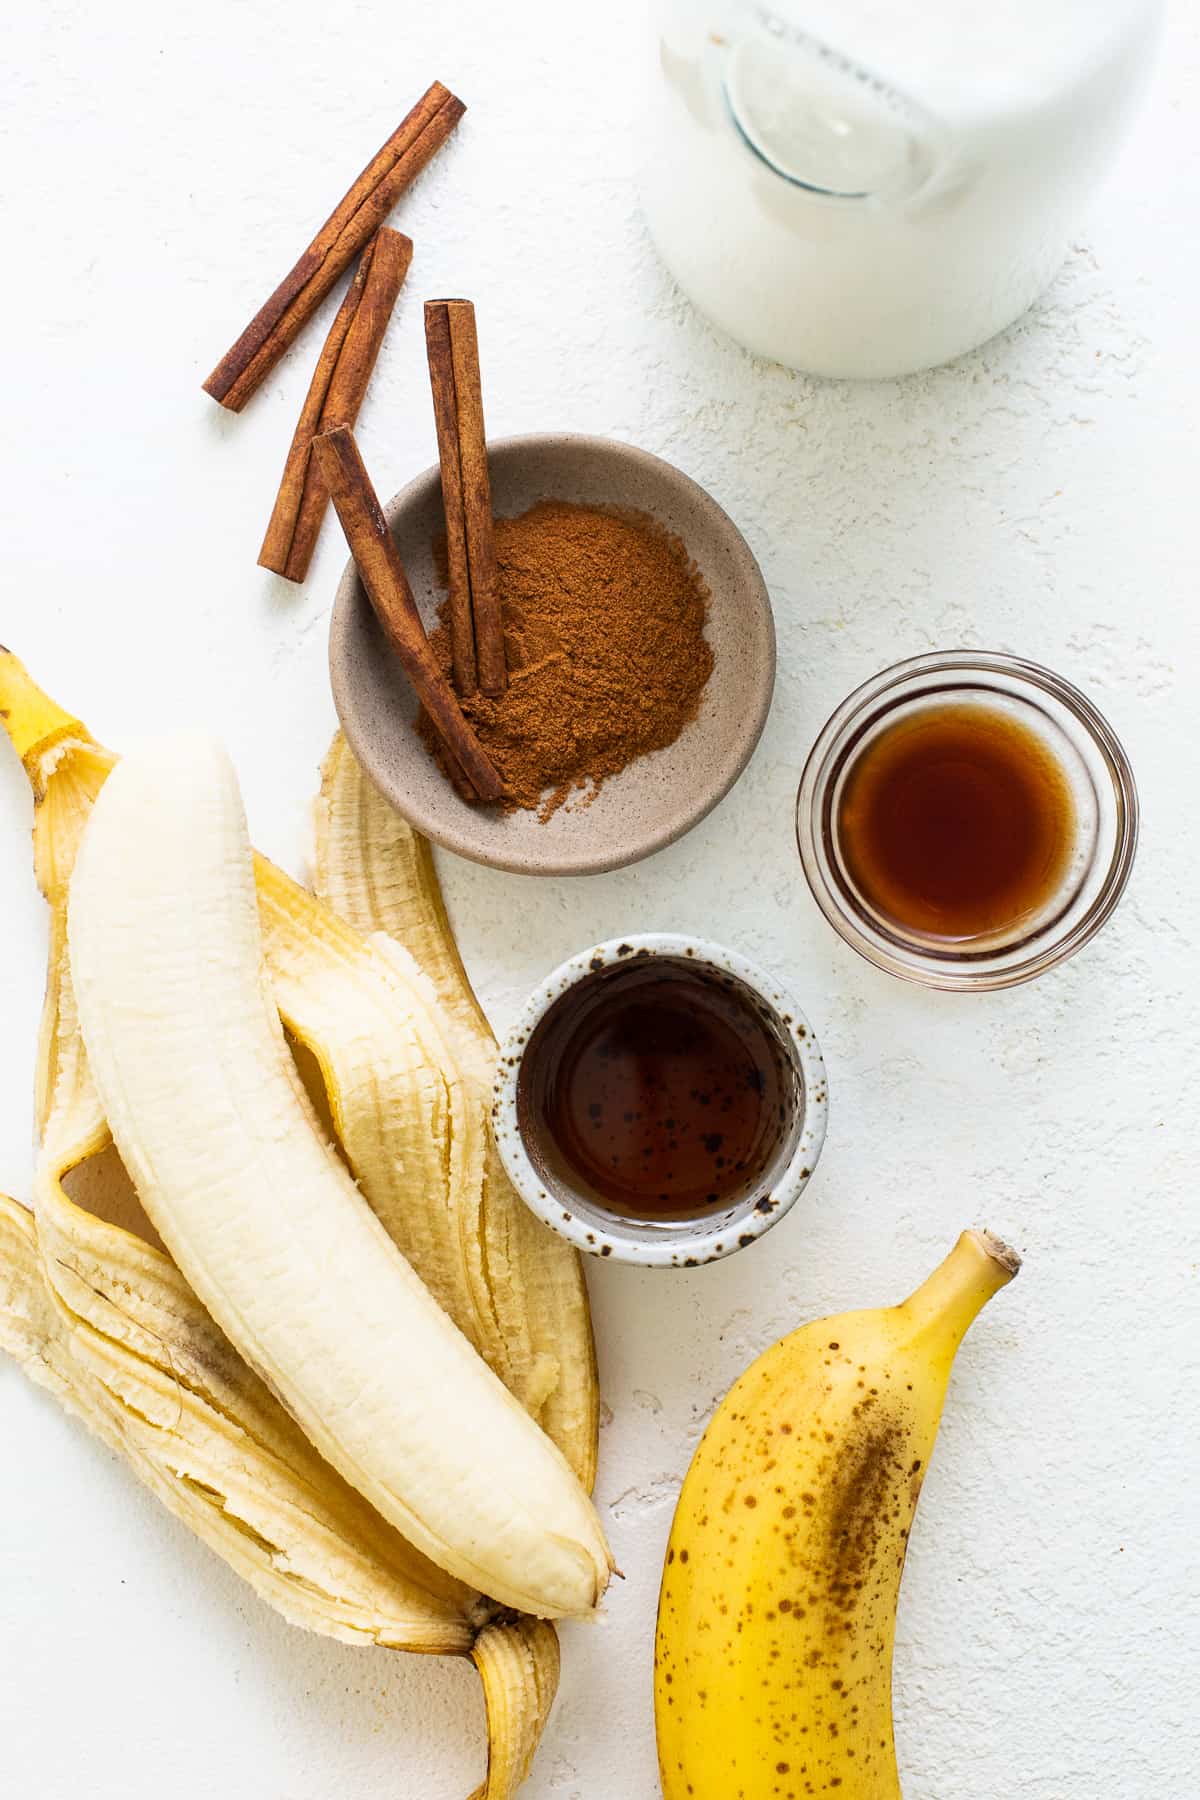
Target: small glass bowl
(1093, 761)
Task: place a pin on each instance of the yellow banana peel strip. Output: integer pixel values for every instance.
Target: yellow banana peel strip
(97, 1313)
(377, 873)
(518, 1663)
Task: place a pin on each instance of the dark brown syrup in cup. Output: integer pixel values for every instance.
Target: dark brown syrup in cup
(658, 1087)
(956, 822)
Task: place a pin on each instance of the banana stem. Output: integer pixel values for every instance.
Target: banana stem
(945, 1305)
(29, 716)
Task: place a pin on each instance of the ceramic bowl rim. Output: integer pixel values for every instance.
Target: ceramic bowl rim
(687, 1243)
(666, 830)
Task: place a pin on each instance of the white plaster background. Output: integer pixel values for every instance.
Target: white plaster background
(162, 168)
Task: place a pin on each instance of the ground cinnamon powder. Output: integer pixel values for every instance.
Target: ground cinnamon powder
(604, 634)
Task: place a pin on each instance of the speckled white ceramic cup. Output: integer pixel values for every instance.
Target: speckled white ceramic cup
(667, 1243)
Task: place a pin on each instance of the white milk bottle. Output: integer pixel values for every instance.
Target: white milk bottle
(867, 187)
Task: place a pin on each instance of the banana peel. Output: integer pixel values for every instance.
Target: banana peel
(97, 1313)
(518, 1664)
(377, 874)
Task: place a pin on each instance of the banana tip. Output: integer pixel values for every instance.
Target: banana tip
(1000, 1252)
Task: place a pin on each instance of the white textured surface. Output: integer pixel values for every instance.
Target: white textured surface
(163, 169)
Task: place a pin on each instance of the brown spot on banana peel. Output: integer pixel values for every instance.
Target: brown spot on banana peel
(873, 1463)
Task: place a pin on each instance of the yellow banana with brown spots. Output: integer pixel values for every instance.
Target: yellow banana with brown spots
(773, 1661)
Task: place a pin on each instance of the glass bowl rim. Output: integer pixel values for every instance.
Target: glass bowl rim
(927, 969)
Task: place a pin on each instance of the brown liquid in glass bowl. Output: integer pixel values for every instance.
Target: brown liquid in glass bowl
(956, 822)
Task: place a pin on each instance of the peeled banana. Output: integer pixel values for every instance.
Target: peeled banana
(776, 1620)
(211, 1120)
(95, 1311)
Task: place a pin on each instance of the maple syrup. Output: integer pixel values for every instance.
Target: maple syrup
(956, 822)
(658, 1087)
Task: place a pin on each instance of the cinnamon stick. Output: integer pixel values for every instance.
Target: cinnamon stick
(334, 397)
(441, 380)
(382, 573)
(350, 226)
(476, 627)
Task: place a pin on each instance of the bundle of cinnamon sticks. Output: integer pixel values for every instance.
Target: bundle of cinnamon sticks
(344, 366)
(323, 462)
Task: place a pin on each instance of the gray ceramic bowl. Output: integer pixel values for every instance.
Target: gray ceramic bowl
(658, 797)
